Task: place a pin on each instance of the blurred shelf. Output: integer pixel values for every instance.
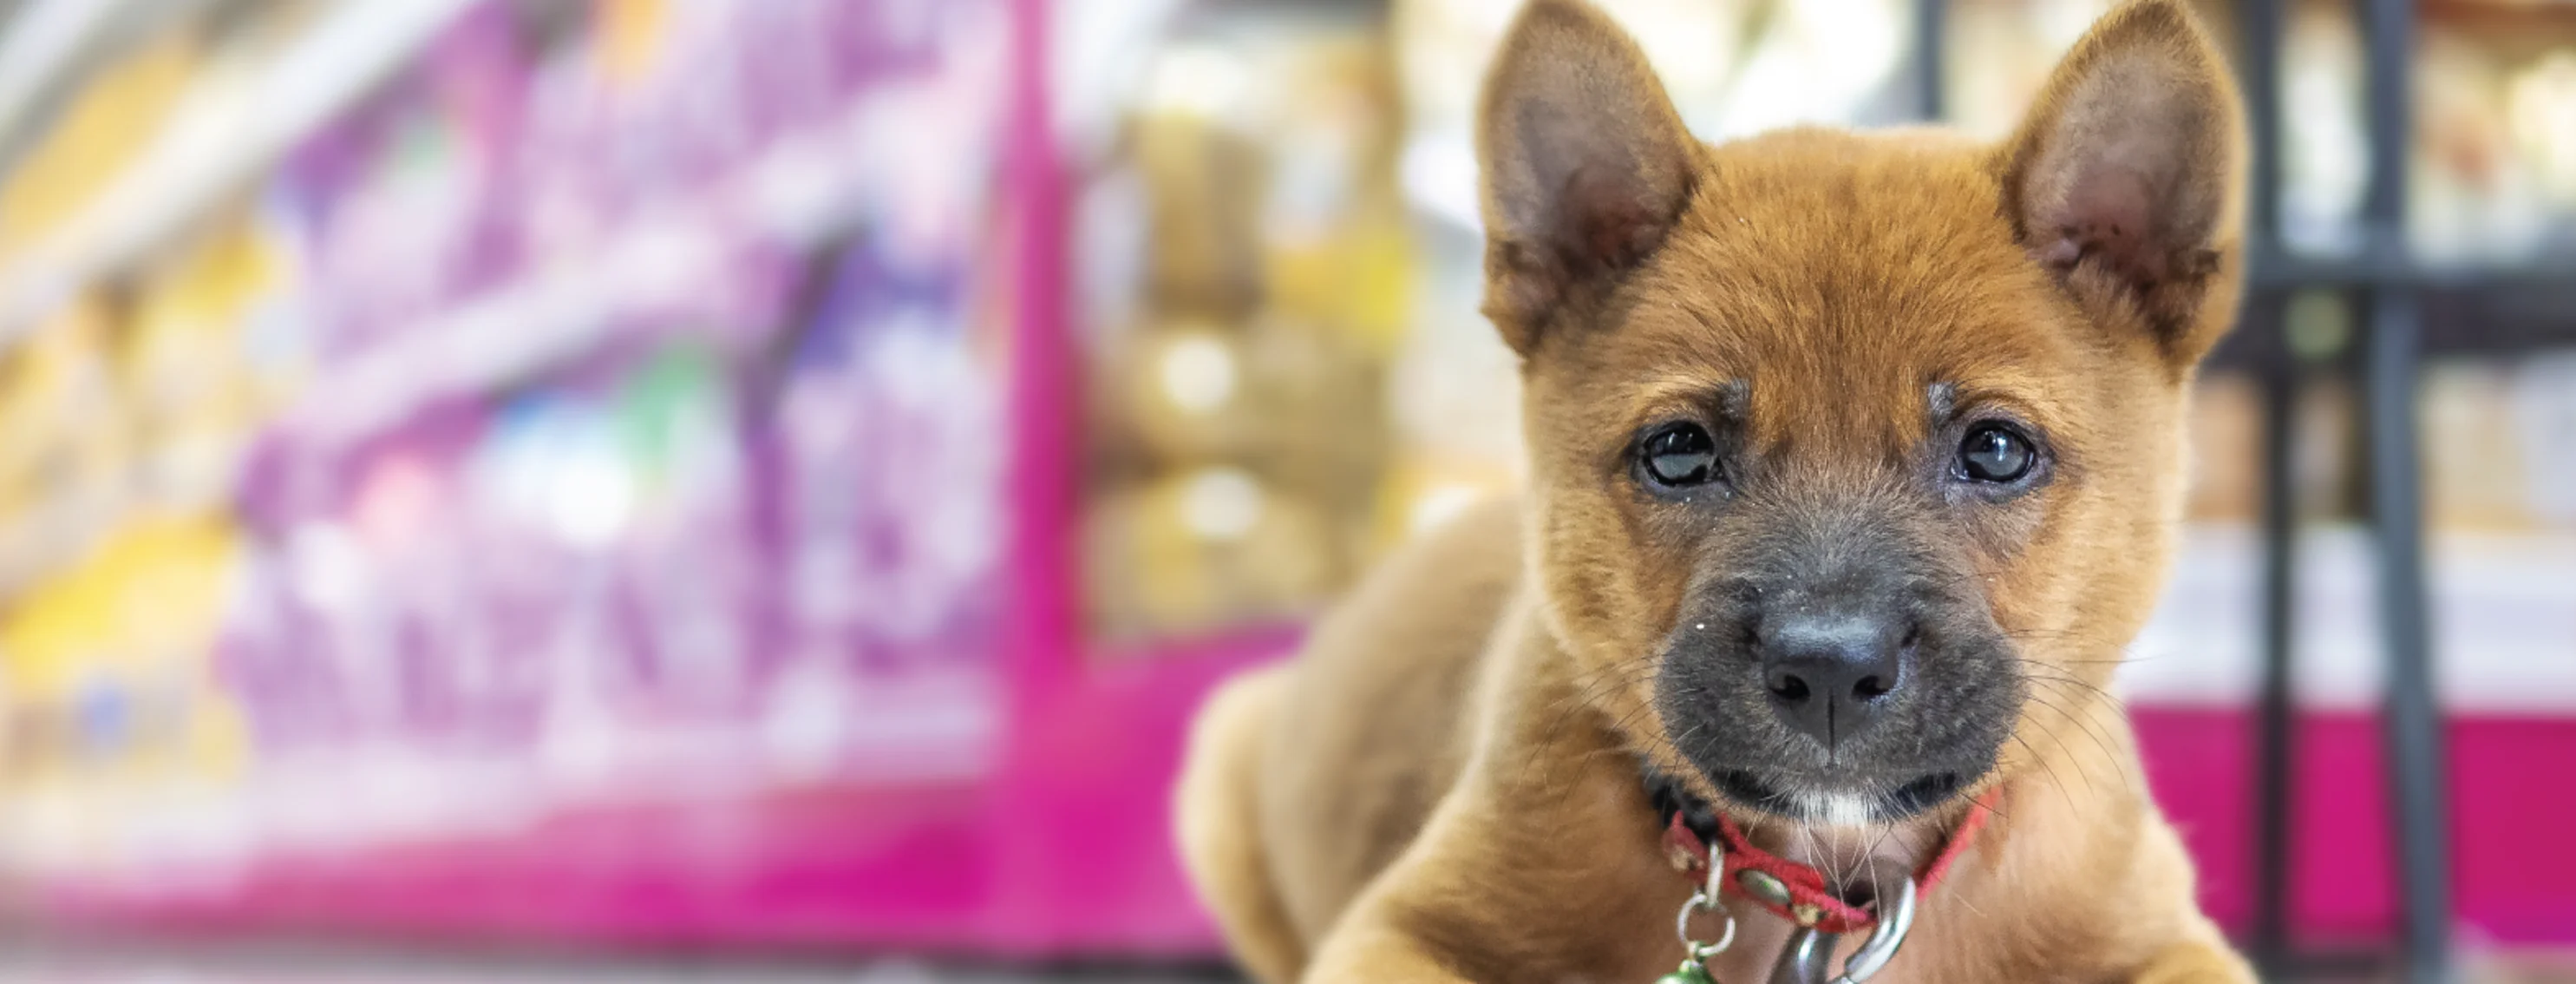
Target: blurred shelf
(798, 194)
(2500, 316)
(49, 44)
(219, 139)
(2502, 605)
(2467, 310)
(2291, 271)
(215, 142)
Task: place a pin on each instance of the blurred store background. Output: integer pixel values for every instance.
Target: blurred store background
(764, 482)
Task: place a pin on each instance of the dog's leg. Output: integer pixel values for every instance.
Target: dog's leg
(1371, 951)
(2193, 951)
(1394, 935)
(1542, 865)
(1218, 826)
(1485, 898)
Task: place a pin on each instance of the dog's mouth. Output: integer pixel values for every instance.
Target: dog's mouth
(1839, 802)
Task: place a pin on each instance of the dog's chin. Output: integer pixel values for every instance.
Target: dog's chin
(1840, 802)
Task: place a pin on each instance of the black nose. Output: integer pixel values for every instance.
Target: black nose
(1830, 672)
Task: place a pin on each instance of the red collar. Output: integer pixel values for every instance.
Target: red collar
(1797, 892)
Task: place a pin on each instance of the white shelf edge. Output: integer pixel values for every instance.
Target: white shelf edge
(216, 141)
(2502, 610)
(49, 39)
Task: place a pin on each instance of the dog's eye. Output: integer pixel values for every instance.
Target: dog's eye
(1678, 456)
(1995, 453)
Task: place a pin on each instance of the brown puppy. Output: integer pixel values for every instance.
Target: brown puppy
(1856, 461)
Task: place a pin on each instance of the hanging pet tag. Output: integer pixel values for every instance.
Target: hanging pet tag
(1695, 954)
(1692, 972)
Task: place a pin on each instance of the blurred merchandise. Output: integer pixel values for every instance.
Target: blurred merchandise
(2492, 167)
(2496, 440)
(2325, 147)
(2000, 54)
(2225, 431)
(114, 707)
(2495, 437)
(589, 418)
(2493, 164)
(1237, 414)
(65, 449)
(2474, 200)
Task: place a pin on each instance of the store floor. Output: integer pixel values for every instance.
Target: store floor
(42, 964)
(232, 965)
(150, 973)
(147, 973)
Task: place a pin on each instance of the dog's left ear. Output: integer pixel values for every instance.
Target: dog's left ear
(2125, 179)
(1586, 165)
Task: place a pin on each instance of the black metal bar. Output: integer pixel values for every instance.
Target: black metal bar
(1931, 55)
(2388, 33)
(2259, 66)
(2411, 717)
(2276, 754)
(2265, 313)
(2411, 723)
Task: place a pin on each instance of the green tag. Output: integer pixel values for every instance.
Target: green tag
(1691, 972)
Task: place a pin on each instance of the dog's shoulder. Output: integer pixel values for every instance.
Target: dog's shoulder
(1381, 693)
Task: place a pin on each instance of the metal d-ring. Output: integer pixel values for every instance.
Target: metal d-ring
(1805, 959)
(1708, 899)
(1881, 946)
(1702, 901)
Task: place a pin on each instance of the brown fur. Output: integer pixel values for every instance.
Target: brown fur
(1444, 785)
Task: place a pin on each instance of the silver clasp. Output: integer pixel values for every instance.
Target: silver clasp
(1803, 962)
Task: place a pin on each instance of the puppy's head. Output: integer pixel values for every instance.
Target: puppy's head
(1855, 457)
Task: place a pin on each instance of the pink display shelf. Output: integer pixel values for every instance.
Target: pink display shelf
(1064, 851)
(2513, 860)
(1060, 848)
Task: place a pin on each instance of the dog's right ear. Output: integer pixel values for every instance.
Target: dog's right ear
(1586, 164)
(2126, 180)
